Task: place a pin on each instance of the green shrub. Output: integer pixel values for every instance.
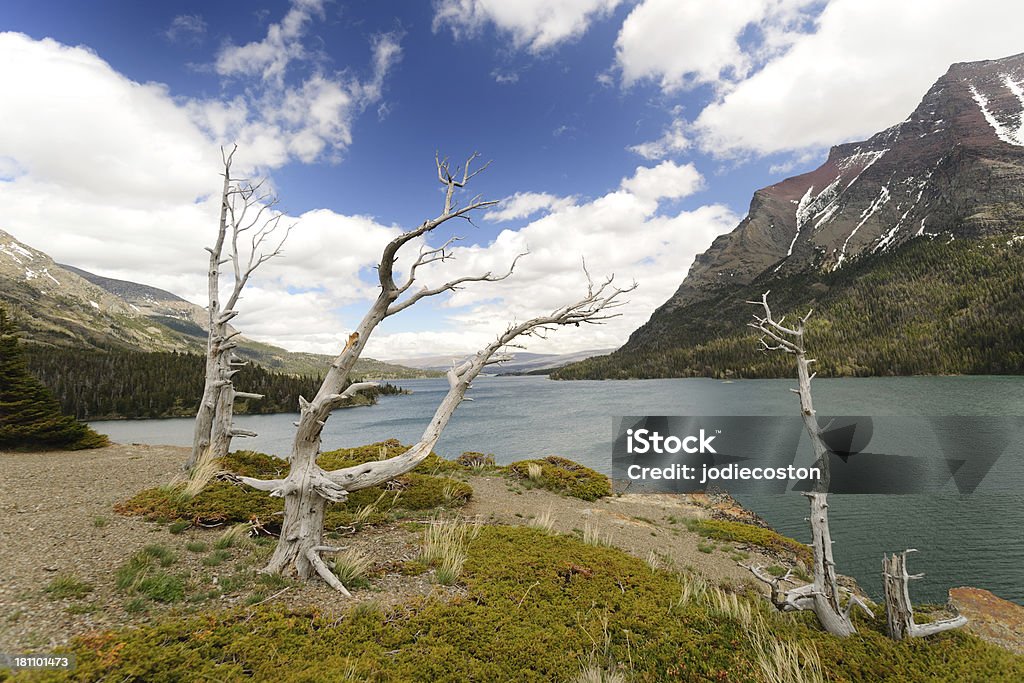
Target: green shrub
(140, 575)
(224, 502)
(179, 526)
(349, 457)
(216, 558)
(477, 462)
(737, 532)
(564, 476)
(253, 464)
(67, 586)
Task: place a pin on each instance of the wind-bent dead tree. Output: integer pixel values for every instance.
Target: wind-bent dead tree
(308, 488)
(247, 216)
(822, 595)
(899, 612)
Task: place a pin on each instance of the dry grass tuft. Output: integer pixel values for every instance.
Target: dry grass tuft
(444, 547)
(545, 521)
(352, 567)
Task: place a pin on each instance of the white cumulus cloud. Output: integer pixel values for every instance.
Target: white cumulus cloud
(117, 177)
(525, 204)
(684, 43)
(667, 180)
(863, 68)
(673, 141)
(536, 25)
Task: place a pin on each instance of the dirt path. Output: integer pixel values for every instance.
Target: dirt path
(56, 519)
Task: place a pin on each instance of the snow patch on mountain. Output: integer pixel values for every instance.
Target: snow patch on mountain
(879, 201)
(14, 250)
(1013, 135)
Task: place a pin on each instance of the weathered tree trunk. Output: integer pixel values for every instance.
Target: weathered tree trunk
(821, 596)
(899, 612)
(308, 488)
(203, 430)
(213, 425)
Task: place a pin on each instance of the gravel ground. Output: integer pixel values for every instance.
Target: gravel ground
(57, 518)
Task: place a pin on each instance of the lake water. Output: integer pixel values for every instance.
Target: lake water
(975, 540)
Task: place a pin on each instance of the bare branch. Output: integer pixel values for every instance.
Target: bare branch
(450, 286)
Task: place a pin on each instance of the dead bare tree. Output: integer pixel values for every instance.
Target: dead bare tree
(308, 488)
(822, 595)
(247, 227)
(899, 612)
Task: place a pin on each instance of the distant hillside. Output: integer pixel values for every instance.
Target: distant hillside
(522, 363)
(65, 306)
(932, 306)
(540, 363)
(115, 383)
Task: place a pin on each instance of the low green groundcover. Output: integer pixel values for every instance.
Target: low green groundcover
(738, 532)
(564, 476)
(536, 607)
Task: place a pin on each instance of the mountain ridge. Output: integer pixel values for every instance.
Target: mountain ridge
(67, 306)
(954, 165)
(952, 170)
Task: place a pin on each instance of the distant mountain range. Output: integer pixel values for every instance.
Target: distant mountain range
(521, 363)
(64, 306)
(867, 240)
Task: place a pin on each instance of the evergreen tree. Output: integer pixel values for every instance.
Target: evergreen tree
(30, 417)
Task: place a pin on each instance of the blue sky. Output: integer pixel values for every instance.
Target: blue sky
(630, 133)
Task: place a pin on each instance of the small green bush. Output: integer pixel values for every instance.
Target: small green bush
(140, 575)
(67, 586)
(475, 461)
(737, 532)
(160, 554)
(564, 476)
(349, 457)
(216, 558)
(179, 526)
(223, 502)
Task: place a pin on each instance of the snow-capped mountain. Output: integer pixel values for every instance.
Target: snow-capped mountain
(955, 166)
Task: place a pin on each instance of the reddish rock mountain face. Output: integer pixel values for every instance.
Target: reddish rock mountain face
(955, 166)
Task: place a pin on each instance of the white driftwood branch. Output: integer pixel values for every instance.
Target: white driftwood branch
(278, 488)
(246, 394)
(899, 612)
(449, 286)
